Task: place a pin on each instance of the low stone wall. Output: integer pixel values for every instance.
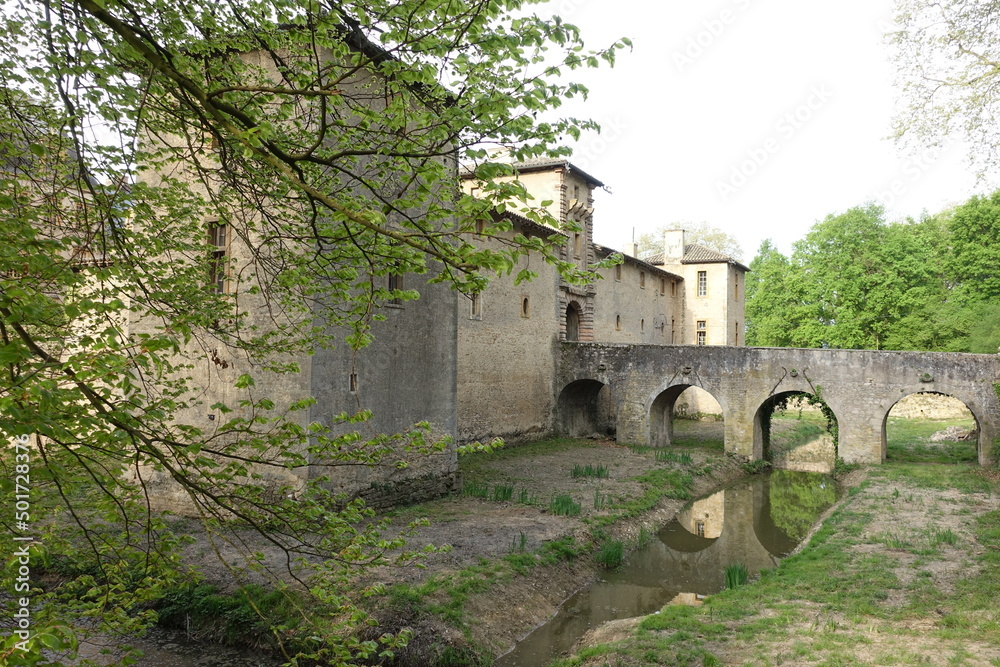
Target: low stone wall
(930, 406)
(386, 495)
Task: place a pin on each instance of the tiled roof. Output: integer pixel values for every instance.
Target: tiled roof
(538, 164)
(605, 251)
(699, 254)
(695, 253)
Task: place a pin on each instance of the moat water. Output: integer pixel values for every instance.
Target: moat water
(755, 522)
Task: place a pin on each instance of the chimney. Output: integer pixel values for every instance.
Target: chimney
(673, 246)
(633, 249)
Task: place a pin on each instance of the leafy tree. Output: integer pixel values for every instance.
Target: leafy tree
(701, 233)
(946, 56)
(975, 241)
(770, 301)
(856, 281)
(323, 139)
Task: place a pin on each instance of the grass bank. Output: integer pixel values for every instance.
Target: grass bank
(905, 571)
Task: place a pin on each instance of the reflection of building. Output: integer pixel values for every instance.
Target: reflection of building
(705, 517)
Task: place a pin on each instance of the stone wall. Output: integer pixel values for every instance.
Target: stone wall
(637, 303)
(382, 496)
(506, 356)
(930, 406)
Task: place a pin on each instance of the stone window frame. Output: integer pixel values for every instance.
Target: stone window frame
(702, 283)
(525, 306)
(701, 332)
(642, 280)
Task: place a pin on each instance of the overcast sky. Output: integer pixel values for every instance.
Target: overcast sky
(757, 116)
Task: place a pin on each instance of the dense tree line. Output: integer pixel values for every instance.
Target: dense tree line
(858, 281)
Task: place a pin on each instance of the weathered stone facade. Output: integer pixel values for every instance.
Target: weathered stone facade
(508, 358)
(406, 376)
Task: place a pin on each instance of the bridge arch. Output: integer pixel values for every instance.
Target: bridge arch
(762, 431)
(587, 407)
(661, 412)
(978, 442)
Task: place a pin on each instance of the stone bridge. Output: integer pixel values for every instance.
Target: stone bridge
(636, 387)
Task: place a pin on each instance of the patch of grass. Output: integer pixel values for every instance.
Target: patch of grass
(475, 489)
(564, 549)
(589, 471)
(943, 536)
(669, 456)
(445, 596)
(601, 500)
(503, 492)
(564, 505)
(893, 541)
(524, 497)
(611, 554)
(938, 476)
(794, 428)
(736, 575)
(908, 440)
(462, 656)
(517, 544)
(657, 483)
(230, 618)
(699, 434)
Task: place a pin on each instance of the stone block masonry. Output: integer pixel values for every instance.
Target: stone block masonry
(860, 386)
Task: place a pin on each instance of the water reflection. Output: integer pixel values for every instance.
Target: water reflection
(753, 522)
